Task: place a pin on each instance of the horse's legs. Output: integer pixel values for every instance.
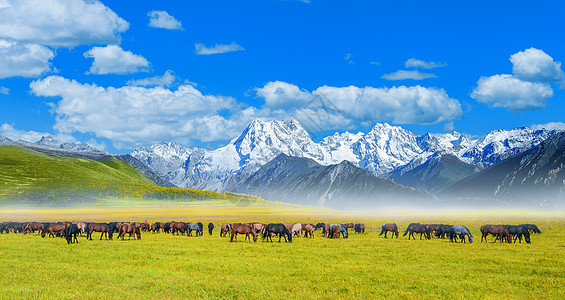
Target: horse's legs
(385, 231)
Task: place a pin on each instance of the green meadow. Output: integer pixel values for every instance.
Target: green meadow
(365, 266)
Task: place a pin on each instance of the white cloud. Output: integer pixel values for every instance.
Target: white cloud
(60, 23)
(418, 63)
(402, 75)
(4, 90)
(535, 65)
(349, 105)
(113, 59)
(201, 49)
(349, 59)
(97, 145)
(278, 94)
(25, 60)
(162, 19)
(449, 127)
(131, 116)
(375, 63)
(31, 136)
(511, 93)
(165, 80)
(550, 126)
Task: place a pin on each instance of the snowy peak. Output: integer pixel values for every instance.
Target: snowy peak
(51, 143)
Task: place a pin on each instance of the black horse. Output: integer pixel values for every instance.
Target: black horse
(113, 227)
(277, 229)
(442, 231)
(417, 228)
(532, 228)
(70, 233)
(167, 227)
(321, 225)
(210, 227)
(517, 231)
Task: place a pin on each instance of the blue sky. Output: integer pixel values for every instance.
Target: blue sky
(120, 74)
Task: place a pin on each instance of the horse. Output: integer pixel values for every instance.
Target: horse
(178, 227)
(210, 227)
(131, 229)
(145, 226)
(532, 228)
(53, 229)
(81, 227)
(442, 231)
(417, 228)
(296, 229)
(359, 228)
(385, 228)
(288, 226)
(279, 229)
(246, 229)
(517, 231)
(459, 231)
(71, 233)
(194, 227)
(32, 227)
(155, 227)
(334, 231)
(349, 226)
(167, 227)
(309, 230)
(344, 231)
(433, 228)
(258, 227)
(495, 230)
(99, 227)
(224, 229)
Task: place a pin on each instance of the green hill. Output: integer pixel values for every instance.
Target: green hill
(29, 177)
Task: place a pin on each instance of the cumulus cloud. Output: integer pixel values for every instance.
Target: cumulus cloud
(165, 80)
(201, 49)
(549, 126)
(349, 105)
(31, 136)
(113, 59)
(25, 60)
(130, 116)
(402, 75)
(418, 63)
(4, 90)
(162, 19)
(511, 93)
(535, 65)
(60, 23)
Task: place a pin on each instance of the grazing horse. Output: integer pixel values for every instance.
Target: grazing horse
(81, 227)
(258, 227)
(324, 228)
(517, 231)
(194, 227)
(32, 227)
(442, 231)
(433, 228)
(288, 226)
(71, 233)
(99, 227)
(224, 229)
(497, 231)
(167, 227)
(390, 227)
(459, 231)
(360, 228)
(277, 229)
(53, 229)
(343, 230)
(334, 231)
(417, 228)
(155, 227)
(532, 228)
(210, 227)
(178, 227)
(246, 229)
(349, 226)
(145, 226)
(296, 229)
(309, 230)
(131, 229)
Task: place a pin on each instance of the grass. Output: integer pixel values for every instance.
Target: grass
(363, 267)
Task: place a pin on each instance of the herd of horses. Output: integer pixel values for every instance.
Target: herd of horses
(71, 230)
(508, 233)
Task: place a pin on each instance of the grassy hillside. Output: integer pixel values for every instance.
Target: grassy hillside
(28, 177)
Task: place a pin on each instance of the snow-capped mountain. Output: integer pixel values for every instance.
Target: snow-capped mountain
(381, 151)
(50, 143)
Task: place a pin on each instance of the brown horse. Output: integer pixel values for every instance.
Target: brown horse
(32, 227)
(496, 230)
(326, 229)
(155, 227)
(389, 227)
(349, 226)
(178, 227)
(288, 226)
(309, 230)
(258, 227)
(81, 226)
(336, 230)
(224, 229)
(53, 229)
(131, 229)
(433, 228)
(103, 228)
(246, 229)
(145, 226)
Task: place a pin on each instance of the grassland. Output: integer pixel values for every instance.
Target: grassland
(363, 267)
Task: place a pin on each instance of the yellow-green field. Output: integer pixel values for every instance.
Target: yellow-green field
(364, 267)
